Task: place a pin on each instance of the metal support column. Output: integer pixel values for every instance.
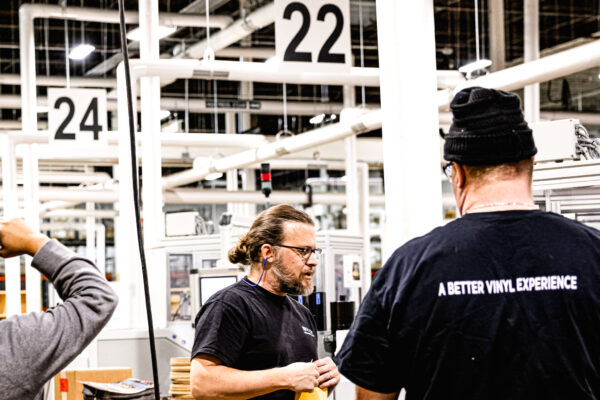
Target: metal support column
(12, 266)
(152, 196)
(352, 195)
(411, 145)
(531, 32)
(497, 36)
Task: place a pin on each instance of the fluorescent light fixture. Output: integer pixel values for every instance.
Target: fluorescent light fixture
(81, 51)
(164, 114)
(317, 119)
(213, 176)
(475, 65)
(163, 31)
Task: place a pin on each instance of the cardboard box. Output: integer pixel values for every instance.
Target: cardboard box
(67, 384)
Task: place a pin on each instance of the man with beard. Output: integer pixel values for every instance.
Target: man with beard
(253, 340)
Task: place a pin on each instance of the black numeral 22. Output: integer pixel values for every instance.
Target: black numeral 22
(92, 108)
(324, 55)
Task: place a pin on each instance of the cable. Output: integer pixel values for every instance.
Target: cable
(261, 275)
(136, 198)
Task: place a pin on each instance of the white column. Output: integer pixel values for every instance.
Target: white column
(411, 148)
(352, 194)
(531, 39)
(245, 123)
(232, 180)
(12, 266)
(151, 163)
(31, 205)
(497, 36)
(90, 228)
(364, 209)
(128, 267)
(101, 248)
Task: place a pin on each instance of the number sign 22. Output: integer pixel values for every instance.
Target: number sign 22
(297, 34)
(76, 114)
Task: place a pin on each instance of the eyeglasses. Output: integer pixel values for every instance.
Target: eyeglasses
(303, 252)
(447, 169)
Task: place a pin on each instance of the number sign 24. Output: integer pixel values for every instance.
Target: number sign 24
(77, 114)
(313, 33)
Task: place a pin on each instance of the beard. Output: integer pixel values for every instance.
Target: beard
(288, 282)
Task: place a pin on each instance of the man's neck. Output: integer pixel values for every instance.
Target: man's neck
(499, 196)
(266, 282)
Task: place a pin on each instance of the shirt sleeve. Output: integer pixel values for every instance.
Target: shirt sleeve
(367, 355)
(221, 331)
(36, 346)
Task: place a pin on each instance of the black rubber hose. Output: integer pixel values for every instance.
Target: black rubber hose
(136, 198)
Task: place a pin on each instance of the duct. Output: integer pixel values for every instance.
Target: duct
(368, 121)
(543, 69)
(61, 81)
(69, 177)
(246, 52)
(272, 73)
(584, 118)
(186, 196)
(238, 30)
(193, 105)
(167, 139)
(29, 12)
(76, 213)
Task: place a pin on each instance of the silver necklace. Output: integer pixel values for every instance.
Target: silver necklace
(529, 204)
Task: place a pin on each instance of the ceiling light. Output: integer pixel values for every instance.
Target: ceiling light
(475, 65)
(163, 31)
(163, 114)
(317, 119)
(213, 176)
(82, 51)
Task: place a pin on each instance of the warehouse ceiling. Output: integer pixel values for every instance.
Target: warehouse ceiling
(562, 24)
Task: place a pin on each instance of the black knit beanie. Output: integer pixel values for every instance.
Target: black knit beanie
(487, 129)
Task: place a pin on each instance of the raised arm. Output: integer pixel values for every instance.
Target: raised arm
(35, 346)
(212, 380)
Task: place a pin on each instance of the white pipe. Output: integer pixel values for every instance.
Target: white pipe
(368, 121)
(544, 69)
(584, 118)
(272, 72)
(195, 106)
(246, 52)
(78, 213)
(188, 196)
(70, 177)
(497, 36)
(531, 52)
(60, 81)
(239, 29)
(167, 139)
(29, 12)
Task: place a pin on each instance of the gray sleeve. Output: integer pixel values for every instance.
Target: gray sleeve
(34, 347)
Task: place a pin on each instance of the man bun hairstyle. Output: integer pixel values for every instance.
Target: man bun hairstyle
(267, 228)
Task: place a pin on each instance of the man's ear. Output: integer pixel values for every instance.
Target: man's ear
(266, 251)
(461, 175)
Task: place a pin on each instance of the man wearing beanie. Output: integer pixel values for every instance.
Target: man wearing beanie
(502, 303)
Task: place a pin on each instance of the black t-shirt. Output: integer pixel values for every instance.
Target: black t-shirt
(500, 305)
(249, 328)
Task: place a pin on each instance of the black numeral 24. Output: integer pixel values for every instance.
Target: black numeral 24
(92, 108)
(324, 55)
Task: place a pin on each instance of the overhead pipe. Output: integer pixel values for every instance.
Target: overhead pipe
(77, 213)
(543, 69)
(238, 30)
(29, 12)
(272, 73)
(191, 196)
(368, 121)
(193, 105)
(61, 81)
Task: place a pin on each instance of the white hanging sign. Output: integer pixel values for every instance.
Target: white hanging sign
(77, 115)
(313, 35)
